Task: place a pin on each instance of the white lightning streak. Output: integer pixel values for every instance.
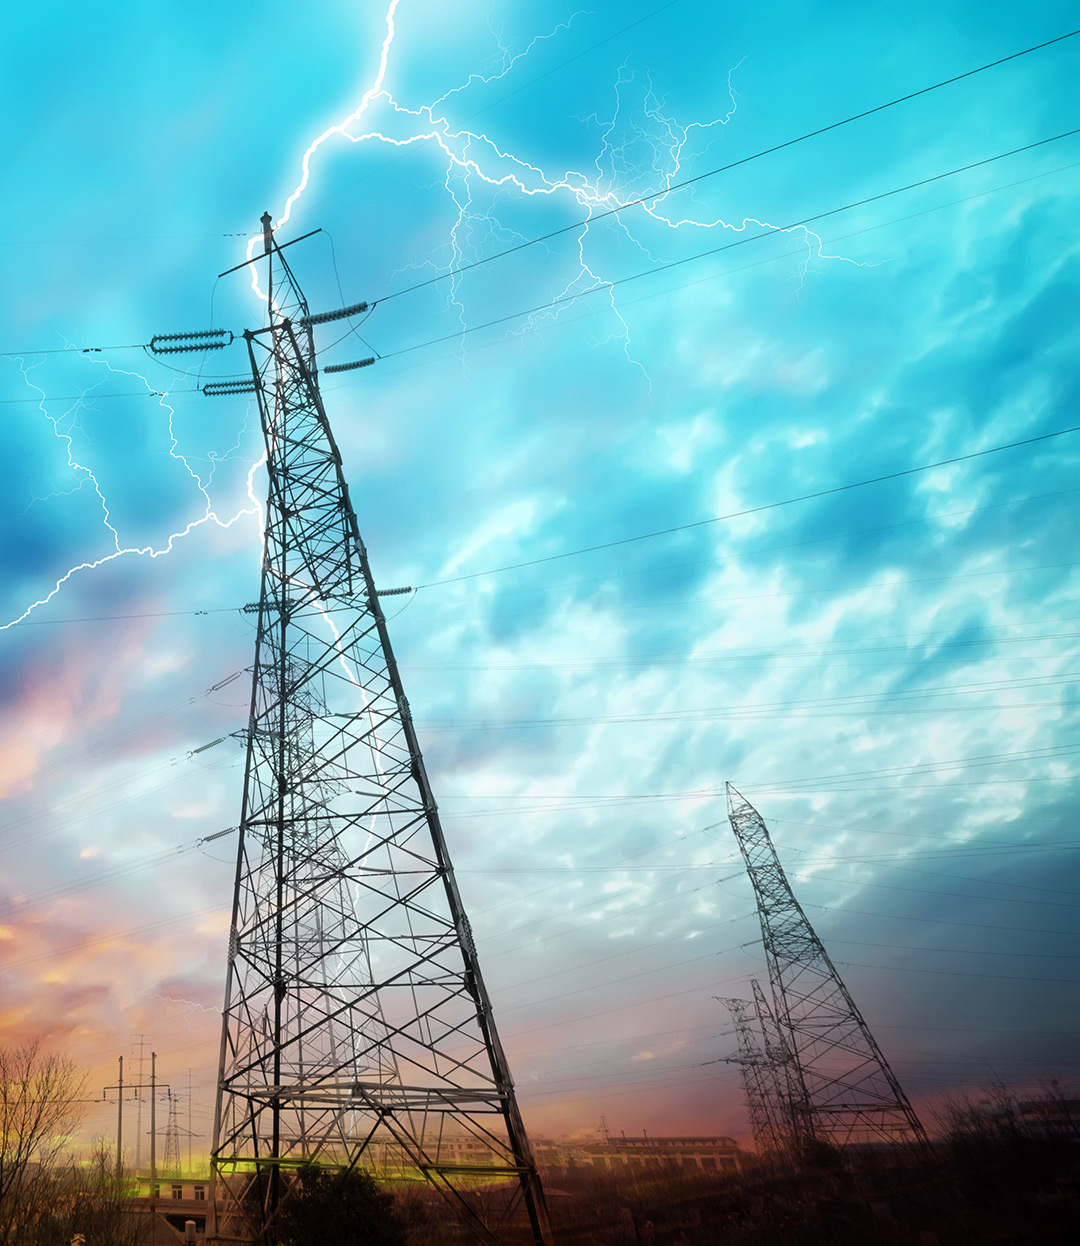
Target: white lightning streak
(471, 155)
(355, 115)
(120, 550)
(510, 59)
(191, 1003)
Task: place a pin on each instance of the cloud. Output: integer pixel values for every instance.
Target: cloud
(888, 671)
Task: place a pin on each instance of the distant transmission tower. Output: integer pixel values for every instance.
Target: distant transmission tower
(764, 1106)
(838, 1084)
(782, 1078)
(357, 1029)
(170, 1166)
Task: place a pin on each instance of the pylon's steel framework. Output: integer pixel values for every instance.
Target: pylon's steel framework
(782, 1074)
(838, 1084)
(764, 1105)
(357, 1028)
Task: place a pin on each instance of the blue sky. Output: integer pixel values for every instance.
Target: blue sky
(889, 672)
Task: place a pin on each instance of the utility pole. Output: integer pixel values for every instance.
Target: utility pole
(119, 1088)
(153, 1125)
(357, 1028)
(839, 1086)
(136, 1088)
(190, 1135)
(138, 1104)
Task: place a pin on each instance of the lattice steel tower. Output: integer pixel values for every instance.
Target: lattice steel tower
(357, 1028)
(170, 1165)
(839, 1086)
(764, 1106)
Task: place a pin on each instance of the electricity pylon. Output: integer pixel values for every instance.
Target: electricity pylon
(357, 1029)
(170, 1165)
(763, 1105)
(780, 1071)
(839, 1086)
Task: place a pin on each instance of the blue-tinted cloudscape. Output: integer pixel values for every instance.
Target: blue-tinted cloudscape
(888, 672)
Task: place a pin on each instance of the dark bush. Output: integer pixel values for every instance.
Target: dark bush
(346, 1208)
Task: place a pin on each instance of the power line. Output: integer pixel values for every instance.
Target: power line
(852, 700)
(764, 549)
(916, 835)
(73, 350)
(755, 510)
(657, 602)
(146, 614)
(964, 878)
(936, 921)
(963, 951)
(921, 768)
(965, 851)
(79, 801)
(797, 650)
(768, 151)
(659, 194)
(960, 973)
(563, 322)
(753, 550)
(135, 393)
(113, 935)
(547, 306)
(719, 714)
(956, 895)
(664, 603)
(563, 804)
(728, 246)
(138, 725)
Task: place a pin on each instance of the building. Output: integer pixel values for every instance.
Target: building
(681, 1154)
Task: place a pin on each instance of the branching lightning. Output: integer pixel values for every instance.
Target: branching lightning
(472, 159)
(648, 146)
(119, 549)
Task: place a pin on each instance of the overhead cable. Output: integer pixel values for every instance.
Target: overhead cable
(768, 151)
(701, 255)
(756, 510)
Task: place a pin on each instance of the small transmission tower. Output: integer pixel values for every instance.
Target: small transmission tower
(838, 1084)
(357, 1029)
(170, 1165)
(764, 1106)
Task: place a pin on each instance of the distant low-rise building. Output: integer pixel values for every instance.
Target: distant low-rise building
(680, 1153)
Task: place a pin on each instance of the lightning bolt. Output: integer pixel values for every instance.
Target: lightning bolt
(192, 1006)
(65, 434)
(641, 152)
(473, 160)
(476, 159)
(509, 59)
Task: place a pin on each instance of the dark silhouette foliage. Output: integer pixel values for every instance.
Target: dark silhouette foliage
(346, 1208)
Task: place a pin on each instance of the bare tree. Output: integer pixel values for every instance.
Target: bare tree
(93, 1203)
(40, 1104)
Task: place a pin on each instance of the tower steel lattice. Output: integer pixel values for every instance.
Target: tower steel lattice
(170, 1165)
(838, 1084)
(357, 1028)
(764, 1106)
(781, 1074)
